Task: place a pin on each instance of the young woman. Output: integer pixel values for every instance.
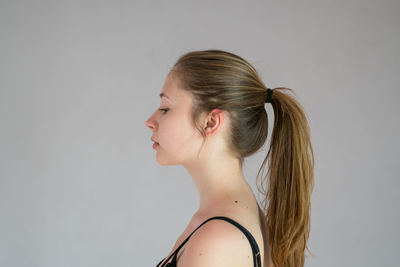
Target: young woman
(212, 115)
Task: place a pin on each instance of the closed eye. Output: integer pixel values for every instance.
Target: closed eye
(164, 110)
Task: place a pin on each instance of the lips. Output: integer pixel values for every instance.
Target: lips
(154, 140)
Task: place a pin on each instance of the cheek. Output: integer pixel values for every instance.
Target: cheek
(170, 130)
(177, 133)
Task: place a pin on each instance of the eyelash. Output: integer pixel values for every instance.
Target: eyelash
(164, 110)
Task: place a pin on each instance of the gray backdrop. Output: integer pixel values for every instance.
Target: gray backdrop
(79, 183)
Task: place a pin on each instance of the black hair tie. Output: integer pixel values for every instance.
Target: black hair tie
(269, 96)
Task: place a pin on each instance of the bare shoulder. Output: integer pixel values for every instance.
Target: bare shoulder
(217, 243)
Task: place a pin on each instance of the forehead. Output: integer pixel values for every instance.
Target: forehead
(172, 90)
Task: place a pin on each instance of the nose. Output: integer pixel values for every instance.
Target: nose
(150, 123)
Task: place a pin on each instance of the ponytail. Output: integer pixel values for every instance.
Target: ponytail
(291, 181)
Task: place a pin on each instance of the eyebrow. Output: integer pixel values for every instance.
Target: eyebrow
(164, 95)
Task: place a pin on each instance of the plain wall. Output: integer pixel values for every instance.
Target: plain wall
(79, 183)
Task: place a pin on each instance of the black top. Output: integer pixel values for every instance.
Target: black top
(253, 243)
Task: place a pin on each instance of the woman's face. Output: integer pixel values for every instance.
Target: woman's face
(178, 141)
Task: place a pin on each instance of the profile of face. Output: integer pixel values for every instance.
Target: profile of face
(178, 140)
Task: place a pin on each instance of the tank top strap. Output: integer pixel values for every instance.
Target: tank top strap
(253, 243)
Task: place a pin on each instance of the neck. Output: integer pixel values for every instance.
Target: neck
(219, 180)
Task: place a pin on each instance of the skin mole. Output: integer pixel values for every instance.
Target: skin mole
(236, 201)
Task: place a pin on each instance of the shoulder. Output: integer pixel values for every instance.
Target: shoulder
(217, 243)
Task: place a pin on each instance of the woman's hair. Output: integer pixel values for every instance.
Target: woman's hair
(220, 79)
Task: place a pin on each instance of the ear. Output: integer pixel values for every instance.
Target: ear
(213, 121)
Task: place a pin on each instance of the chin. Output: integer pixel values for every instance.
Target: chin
(166, 162)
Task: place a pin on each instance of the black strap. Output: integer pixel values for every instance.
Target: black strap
(253, 243)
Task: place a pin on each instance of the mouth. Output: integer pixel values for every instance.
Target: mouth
(155, 145)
